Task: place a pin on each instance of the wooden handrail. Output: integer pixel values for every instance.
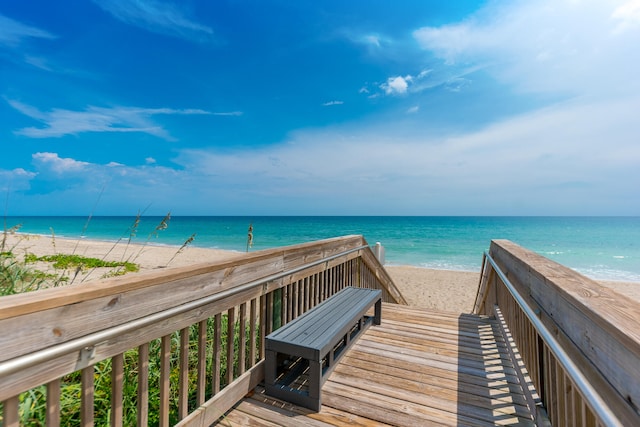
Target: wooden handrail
(534, 296)
(51, 333)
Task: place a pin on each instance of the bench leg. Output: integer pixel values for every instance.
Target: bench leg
(315, 384)
(377, 319)
(270, 367)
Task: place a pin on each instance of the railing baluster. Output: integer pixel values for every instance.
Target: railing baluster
(562, 401)
(289, 294)
(86, 404)
(231, 323)
(252, 333)
(300, 298)
(165, 371)
(263, 323)
(202, 361)
(53, 403)
(314, 290)
(269, 312)
(217, 353)
(143, 385)
(282, 303)
(10, 412)
(183, 379)
(579, 408)
(305, 281)
(572, 399)
(117, 382)
(242, 343)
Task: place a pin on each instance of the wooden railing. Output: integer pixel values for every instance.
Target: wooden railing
(177, 346)
(578, 341)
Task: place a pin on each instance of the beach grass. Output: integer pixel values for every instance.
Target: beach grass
(18, 274)
(24, 271)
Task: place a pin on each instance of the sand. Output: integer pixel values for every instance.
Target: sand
(436, 289)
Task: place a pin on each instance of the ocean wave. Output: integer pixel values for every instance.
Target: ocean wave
(609, 274)
(447, 265)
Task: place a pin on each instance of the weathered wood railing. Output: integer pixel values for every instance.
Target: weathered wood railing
(188, 341)
(579, 341)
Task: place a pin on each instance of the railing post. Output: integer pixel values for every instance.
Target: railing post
(378, 251)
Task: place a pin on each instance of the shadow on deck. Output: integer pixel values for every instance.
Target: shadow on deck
(420, 367)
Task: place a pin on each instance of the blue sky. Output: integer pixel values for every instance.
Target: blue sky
(303, 107)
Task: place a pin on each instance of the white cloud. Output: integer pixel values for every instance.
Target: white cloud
(156, 16)
(58, 164)
(452, 80)
(413, 110)
(150, 160)
(61, 122)
(15, 180)
(397, 85)
(13, 32)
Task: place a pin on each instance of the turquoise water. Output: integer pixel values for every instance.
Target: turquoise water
(606, 248)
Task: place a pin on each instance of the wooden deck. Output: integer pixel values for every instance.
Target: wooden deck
(418, 368)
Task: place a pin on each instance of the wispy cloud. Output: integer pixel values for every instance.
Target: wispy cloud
(158, 17)
(532, 158)
(38, 62)
(330, 103)
(513, 166)
(12, 32)
(230, 114)
(550, 46)
(372, 41)
(61, 122)
(627, 15)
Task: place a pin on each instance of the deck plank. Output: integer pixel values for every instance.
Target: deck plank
(419, 367)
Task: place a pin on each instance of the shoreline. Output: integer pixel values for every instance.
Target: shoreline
(448, 290)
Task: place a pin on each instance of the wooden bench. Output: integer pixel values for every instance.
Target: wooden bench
(309, 346)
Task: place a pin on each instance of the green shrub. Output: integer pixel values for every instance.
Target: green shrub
(64, 262)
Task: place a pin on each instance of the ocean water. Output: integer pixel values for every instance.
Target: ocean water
(603, 248)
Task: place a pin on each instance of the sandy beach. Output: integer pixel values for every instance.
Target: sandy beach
(437, 289)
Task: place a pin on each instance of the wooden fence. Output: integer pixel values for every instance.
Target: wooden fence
(579, 341)
(176, 346)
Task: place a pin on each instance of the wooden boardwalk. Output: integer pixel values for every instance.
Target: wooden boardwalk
(418, 368)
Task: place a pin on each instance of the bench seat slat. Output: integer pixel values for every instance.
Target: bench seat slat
(314, 332)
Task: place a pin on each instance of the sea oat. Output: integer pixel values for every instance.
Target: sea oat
(53, 239)
(184, 245)
(250, 237)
